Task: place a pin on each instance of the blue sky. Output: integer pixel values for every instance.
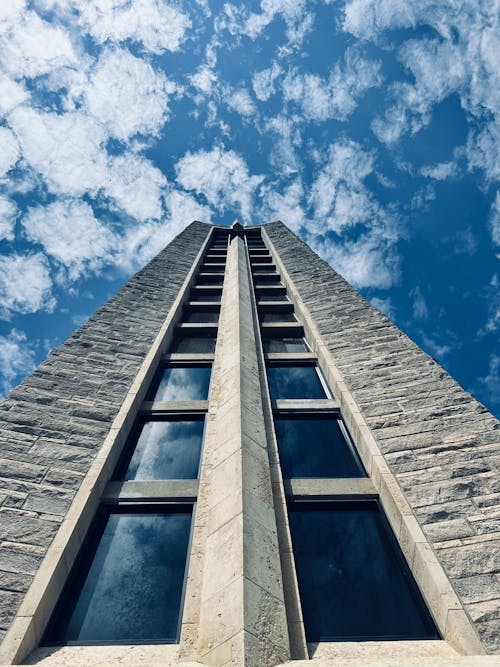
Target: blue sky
(370, 127)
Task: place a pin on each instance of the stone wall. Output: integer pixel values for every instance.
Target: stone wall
(442, 444)
(53, 423)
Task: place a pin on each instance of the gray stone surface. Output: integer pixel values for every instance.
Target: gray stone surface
(442, 444)
(53, 423)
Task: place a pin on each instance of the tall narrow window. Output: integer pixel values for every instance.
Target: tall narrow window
(353, 581)
(127, 586)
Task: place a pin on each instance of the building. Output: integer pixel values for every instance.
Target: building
(239, 461)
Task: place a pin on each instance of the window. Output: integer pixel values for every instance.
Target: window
(272, 297)
(198, 315)
(285, 344)
(127, 585)
(164, 450)
(277, 317)
(353, 581)
(175, 383)
(193, 344)
(287, 382)
(315, 445)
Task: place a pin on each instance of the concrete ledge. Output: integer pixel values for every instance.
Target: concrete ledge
(173, 489)
(302, 489)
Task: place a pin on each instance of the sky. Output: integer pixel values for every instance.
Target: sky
(370, 127)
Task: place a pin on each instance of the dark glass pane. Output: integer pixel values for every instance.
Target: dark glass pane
(294, 382)
(315, 447)
(167, 450)
(183, 384)
(284, 345)
(353, 582)
(278, 317)
(197, 296)
(271, 297)
(132, 590)
(201, 316)
(194, 344)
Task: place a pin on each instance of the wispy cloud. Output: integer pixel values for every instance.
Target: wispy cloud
(461, 59)
(221, 176)
(420, 310)
(25, 284)
(127, 96)
(7, 218)
(336, 96)
(70, 234)
(340, 201)
(263, 82)
(16, 359)
(158, 26)
(240, 101)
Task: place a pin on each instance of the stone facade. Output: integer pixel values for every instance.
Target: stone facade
(442, 445)
(53, 423)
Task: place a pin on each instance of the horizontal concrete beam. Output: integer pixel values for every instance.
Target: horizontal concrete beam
(172, 489)
(329, 488)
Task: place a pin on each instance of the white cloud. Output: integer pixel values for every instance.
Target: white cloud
(158, 26)
(338, 194)
(285, 153)
(136, 186)
(65, 149)
(140, 243)
(29, 46)
(263, 82)
(11, 94)
(68, 151)
(241, 102)
(385, 306)
(490, 383)
(9, 150)
(440, 171)
(362, 247)
(204, 79)
(483, 149)
(127, 95)
(25, 284)
(238, 21)
(221, 176)
(367, 262)
(435, 348)
(70, 234)
(7, 218)
(16, 359)
(420, 310)
(463, 59)
(495, 219)
(285, 205)
(337, 96)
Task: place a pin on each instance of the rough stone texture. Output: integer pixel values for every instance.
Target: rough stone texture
(53, 423)
(442, 444)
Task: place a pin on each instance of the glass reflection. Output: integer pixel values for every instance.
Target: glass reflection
(183, 384)
(315, 447)
(167, 450)
(132, 590)
(352, 580)
(288, 344)
(294, 382)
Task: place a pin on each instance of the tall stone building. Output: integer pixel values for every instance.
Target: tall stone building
(239, 461)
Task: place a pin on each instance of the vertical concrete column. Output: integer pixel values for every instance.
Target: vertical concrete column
(236, 610)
